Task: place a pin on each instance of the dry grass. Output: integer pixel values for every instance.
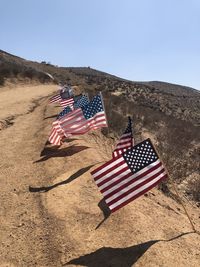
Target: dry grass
(194, 190)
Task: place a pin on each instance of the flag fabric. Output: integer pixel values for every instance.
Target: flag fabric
(64, 112)
(89, 117)
(55, 98)
(79, 101)
(56, 134)
(125, 142)
(65, 93)
(67, 102)
(80, 121)
(129, 176)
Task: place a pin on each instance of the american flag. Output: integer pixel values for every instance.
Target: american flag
(67, 102)
(79, 101)
(55, 98)
(56, 134)
(80, 121)
(64, 112)
(126, 141)
(129, 176)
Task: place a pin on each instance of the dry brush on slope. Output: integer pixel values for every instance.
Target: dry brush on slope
(169, 114)
(52, 213)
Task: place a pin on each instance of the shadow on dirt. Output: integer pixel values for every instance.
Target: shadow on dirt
(67, 181)
(106, 211)
(117, 257)
(53, 152)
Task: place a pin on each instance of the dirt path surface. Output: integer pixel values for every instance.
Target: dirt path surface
(51, 212)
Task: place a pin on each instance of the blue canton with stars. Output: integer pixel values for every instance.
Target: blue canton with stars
(81, 101)
(93, 107)
(64, 112)
(140, 156)
(129, 127)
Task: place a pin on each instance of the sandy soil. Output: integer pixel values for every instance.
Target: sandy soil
(51, 212)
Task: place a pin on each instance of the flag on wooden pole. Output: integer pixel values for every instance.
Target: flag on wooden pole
(126, 140)
(79, 101)
(130, 175)
(80, 121)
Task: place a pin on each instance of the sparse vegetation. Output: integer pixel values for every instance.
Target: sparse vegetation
(194, 190)
(1, 80)
(168, 113)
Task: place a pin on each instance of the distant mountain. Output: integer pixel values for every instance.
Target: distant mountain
(168, 113)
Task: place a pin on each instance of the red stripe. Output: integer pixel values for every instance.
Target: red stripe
(73, 122)
(124, 138)
(55, 98)
(116, 182)
(134, 188)
(89, 126)
(120, 171)
(67, 102)
(127, 143)
(94, 128)
(135, 179)
(71, 116)
(77, 126)
(102, 166)
(131, 182)
(138, 195)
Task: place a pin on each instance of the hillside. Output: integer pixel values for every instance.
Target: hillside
(52, 213)
(169, 113)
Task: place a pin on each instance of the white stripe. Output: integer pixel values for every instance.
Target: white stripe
(77, 117)
(132, 194)
(123, 146)
(123, 166)
(119, 176)
(124, 140)
(133, 176)
(71, 118)
(107, 167)
(124, 135)
(57, 140)
(127, 188)
(115, 154)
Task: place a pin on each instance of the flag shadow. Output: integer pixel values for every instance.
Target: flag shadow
(67, 181)
(50, 117)
(106, 211)
(113, 257)
(52, 149)
(48, 152)
(117, 257)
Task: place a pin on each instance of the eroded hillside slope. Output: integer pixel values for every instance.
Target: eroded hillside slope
(52, 213)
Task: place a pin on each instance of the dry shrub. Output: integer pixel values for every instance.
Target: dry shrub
(194, 189)
(1, 80)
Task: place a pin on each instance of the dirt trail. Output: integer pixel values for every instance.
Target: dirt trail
(51, 212)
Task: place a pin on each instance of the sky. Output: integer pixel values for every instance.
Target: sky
(139, 40)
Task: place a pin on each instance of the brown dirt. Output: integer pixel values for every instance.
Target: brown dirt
(52, 213)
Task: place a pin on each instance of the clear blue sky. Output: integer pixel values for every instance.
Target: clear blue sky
(139, 40)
